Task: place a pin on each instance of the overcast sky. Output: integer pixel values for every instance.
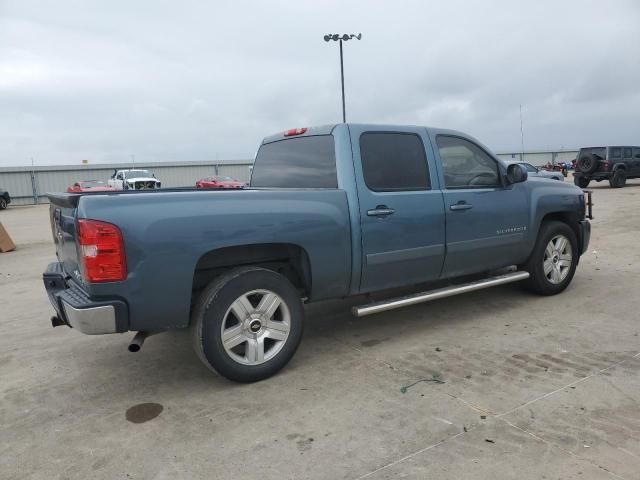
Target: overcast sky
(193, 80)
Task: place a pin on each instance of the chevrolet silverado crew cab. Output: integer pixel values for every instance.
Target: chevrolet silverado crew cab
(615, 164)
(331, 212)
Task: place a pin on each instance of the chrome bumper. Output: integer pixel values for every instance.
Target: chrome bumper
(76, 309)
(92, 320)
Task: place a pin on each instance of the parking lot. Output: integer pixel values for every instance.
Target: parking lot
(493, 384)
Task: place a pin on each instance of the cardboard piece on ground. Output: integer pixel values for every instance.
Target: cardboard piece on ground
(6, 244)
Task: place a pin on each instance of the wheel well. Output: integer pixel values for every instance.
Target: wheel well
(569, 218)
(289, 260)
(620, 166)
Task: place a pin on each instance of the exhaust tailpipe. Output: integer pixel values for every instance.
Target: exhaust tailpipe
(138, 341)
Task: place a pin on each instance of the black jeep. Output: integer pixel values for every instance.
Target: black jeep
(615, 164)
(5, 199)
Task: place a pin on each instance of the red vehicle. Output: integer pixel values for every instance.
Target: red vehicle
(219, 183)
(90, 186)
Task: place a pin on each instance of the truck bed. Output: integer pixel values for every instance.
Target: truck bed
(168, 232)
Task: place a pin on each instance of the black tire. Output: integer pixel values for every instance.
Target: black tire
(618, 179)
(581, 182)
(588, 163)
(3, 203)
(539, 282)
(213, 307)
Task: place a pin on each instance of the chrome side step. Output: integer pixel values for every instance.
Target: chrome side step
(385, 305)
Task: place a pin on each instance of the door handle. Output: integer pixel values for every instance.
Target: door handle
(380, 211)
(460, 206)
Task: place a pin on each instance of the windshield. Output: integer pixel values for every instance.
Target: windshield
(137, 174)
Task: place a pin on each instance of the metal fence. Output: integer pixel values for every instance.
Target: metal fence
(540, 158)
(29, 185)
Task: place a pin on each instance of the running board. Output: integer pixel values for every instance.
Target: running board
(385, 305)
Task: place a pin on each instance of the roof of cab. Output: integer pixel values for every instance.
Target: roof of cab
(317, 130)
(328, 129)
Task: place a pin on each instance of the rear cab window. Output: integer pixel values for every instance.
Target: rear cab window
(393, 161)
(303, 162)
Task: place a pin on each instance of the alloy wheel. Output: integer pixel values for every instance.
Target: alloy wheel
(255, 327)
(558, 257)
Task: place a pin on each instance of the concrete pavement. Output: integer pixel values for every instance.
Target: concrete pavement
(533, 387)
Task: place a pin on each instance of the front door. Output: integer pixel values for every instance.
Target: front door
(401, 209)
(636, 161)
(486, 219)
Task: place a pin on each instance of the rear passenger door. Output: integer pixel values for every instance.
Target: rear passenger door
(627, 155)
(401, 209)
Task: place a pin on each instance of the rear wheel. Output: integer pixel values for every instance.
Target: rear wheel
(3, 203)
(247, 324)
(618, 179)
(581, 182)
(553, 261)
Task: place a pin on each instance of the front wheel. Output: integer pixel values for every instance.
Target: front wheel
(3, 203)
(554, 259)
(247, 324)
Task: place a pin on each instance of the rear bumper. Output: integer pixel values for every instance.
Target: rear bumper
(77, 310)
(597, 176)
(585, 235)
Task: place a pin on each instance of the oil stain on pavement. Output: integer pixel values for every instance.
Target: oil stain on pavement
(143, 412)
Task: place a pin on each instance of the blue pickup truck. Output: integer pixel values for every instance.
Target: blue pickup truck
(332, 211)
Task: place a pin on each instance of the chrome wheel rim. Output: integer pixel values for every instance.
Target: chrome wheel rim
(255, 327)
(558, 257)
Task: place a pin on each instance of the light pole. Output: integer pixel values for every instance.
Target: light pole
(339, 38)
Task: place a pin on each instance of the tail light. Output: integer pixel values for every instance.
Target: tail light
(101, 251)
(295, 131)
(604, 165)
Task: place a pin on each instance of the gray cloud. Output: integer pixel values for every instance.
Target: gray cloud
(195, 80)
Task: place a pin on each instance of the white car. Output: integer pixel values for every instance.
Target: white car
(538, 172)
(134, 180)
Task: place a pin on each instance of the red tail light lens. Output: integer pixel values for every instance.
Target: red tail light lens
(101, 251)
(294, 131)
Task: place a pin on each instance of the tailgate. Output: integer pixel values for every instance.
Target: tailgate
(62, 215)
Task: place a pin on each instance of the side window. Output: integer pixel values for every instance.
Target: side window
(616, 152)
(466, 165)
(627, 152)
(636, 153)
(394, 161)
(119, 177)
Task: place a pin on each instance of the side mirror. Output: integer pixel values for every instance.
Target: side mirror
(516, 173)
